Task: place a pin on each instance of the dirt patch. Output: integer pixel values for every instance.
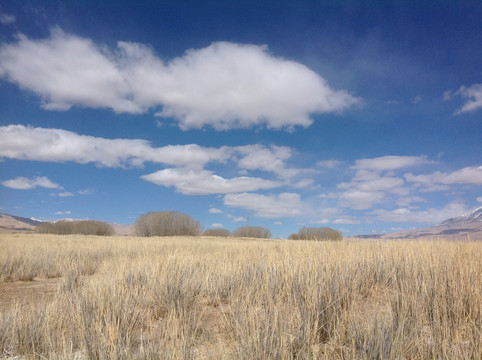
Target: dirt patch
(25, 292)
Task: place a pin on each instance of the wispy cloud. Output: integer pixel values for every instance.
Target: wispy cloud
(66, 194)
(330, 164)
(472, 96)
(224, 85)
(22, 183)
(6, 19)
(390, 162)
(215, 211)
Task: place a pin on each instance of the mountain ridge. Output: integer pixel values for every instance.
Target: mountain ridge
(472, 217)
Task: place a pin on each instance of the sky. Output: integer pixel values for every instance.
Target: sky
(361, 116)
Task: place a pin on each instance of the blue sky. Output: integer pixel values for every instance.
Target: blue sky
(362, 116)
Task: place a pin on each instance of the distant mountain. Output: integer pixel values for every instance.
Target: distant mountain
(122, 229)
(473, 217)
(464, 227)
(16, 224)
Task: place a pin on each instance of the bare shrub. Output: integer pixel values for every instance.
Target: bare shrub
(167, 223)
(217, 232)
(310, 233)
(82, 227)
(252, 232)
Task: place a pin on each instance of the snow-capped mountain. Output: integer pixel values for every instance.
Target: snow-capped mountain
(464, 227)
(475, 216)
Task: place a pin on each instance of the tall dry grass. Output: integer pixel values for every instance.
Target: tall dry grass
(212, 298)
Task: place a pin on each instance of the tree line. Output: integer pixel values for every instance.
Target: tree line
(174, 223)
(83, 227)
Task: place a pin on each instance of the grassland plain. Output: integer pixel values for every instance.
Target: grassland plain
(88, 297)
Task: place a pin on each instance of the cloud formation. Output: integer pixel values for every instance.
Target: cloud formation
(390, 162)
(188, 176)
(224, 85)
(56, 145)
(267, 206)
(204, 182)
(430, 216)
(374, 180)
(439, 180)
(22, 183)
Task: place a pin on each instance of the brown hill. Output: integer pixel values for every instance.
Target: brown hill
(16, 224)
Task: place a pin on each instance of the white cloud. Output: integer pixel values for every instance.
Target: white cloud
(430, 216)
(215, 211)
(361, 200)
(330, 195)
(406, 201)
(237, 218)
(375, 178)
(474, 96)
(389, 162)
(22, 183)
(6, 19)
(204, 182)
(65, 194)
(66, 70)
(56, 145)
(85, 192)
(303, 183)
(417, 99)
(216, 225)
(330, 164)
(68, 212)
(224, 85)
(346, 221)
(272, 159)
(267, 206)
(384, 183)
(439, 180)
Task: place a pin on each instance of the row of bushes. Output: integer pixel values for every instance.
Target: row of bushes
(322, 233)
(83, 227)
(173, 223)
(243, 231)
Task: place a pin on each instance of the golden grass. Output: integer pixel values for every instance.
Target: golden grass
(221, 298)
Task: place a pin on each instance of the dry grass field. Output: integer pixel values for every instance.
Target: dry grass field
(87, 297)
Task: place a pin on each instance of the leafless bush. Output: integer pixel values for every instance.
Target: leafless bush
(82, 227)
(252, 232)
(217, 232)
(167, 223)
(310, 233)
